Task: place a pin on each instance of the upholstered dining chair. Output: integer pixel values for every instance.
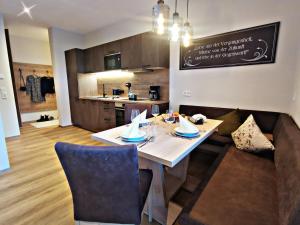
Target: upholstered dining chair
(106, 183)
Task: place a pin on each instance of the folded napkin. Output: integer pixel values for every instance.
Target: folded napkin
(142, 117)
(186, 126)
(197, 117)
(132, 131)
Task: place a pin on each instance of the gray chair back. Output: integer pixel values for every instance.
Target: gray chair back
(104, 182)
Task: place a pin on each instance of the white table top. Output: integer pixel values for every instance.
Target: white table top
(165, 149)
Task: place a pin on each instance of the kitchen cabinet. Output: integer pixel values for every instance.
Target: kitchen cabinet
(155, 51)
(142, 51)
(94, 59)
(74, 64)
(131, 52)
(146, 51)
(112, 47)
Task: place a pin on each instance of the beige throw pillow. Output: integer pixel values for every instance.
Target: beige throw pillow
(250, 138)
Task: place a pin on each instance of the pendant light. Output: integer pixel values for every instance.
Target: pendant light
(187, 29)
(176, 28)
(160, 17)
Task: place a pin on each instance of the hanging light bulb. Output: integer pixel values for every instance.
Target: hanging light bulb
(160, 17)
(187, 29)
(175, 30)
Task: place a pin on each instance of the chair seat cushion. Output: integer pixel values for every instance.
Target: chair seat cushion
(242, 191)
(145, 183)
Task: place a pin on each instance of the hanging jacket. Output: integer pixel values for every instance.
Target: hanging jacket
(33, 88)
(47, 86)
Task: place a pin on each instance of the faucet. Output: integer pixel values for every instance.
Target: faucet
(103, 91)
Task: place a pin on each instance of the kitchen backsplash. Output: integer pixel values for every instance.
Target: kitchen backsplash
(92, 84)
(140, 84)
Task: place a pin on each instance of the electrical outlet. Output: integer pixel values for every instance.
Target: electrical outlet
(187, 93)
(3, 93)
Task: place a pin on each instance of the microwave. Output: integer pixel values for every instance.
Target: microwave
(112, 61)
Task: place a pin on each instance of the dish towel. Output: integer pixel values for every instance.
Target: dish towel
(186, 126)
(133, 130)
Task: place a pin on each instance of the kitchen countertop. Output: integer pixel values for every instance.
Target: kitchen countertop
(123, 100)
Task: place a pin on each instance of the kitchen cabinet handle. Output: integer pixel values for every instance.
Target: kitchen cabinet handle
(107, 119)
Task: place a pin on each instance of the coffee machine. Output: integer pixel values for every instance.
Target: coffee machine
(154, 93)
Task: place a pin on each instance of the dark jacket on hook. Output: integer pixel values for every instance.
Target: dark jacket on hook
(33, 88)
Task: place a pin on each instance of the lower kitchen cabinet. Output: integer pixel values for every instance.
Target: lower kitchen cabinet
(92, 115)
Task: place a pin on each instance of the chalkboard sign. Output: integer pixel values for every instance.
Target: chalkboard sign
(256, 45)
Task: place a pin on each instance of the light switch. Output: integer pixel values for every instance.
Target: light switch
(1, 76)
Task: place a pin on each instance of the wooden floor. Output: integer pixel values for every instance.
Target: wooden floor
(35, 191)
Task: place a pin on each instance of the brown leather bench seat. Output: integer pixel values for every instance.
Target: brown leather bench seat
(248, 189)
(241, 191)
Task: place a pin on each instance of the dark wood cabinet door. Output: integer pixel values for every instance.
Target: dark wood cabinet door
(98, 61)
(108, 115)
(155, 51)
(131, 52)
(94, 59)
(88, 60)
(112, 47)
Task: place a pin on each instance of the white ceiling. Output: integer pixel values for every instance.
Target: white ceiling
(80, 16)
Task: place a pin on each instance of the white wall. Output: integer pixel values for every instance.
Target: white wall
(295, 109)
(7, 105)
(4, 162)
(28, 117)
(116, 31)
(264, 87)
(33, 50)
(30, 50)
(60, 41)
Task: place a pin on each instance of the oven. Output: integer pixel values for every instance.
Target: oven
(120, 113)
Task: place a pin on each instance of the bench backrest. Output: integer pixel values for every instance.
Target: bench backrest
(287, 161)
(265, 120)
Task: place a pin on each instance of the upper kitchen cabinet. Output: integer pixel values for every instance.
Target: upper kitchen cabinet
(93, 59)
(131, 48)
(112, 47)
(155, 51)
(145, 51)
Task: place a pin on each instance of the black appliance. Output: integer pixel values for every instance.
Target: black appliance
(117, 92)
(120, 114)
(154, 93)
(112, 61)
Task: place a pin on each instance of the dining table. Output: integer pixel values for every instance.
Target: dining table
(166, 154)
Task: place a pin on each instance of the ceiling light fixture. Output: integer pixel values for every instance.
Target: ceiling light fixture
(176, 28)
(160, 17)
(26, 10)
(187, 29)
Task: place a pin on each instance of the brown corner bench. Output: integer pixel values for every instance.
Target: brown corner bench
(246, 188)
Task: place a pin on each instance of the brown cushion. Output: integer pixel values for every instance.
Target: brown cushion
(287, 161)
(241, 192)
(231, 122)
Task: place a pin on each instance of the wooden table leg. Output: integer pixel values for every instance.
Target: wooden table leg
(165, 183)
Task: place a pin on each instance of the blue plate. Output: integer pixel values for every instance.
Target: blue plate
(134, 139)
(187, 135)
